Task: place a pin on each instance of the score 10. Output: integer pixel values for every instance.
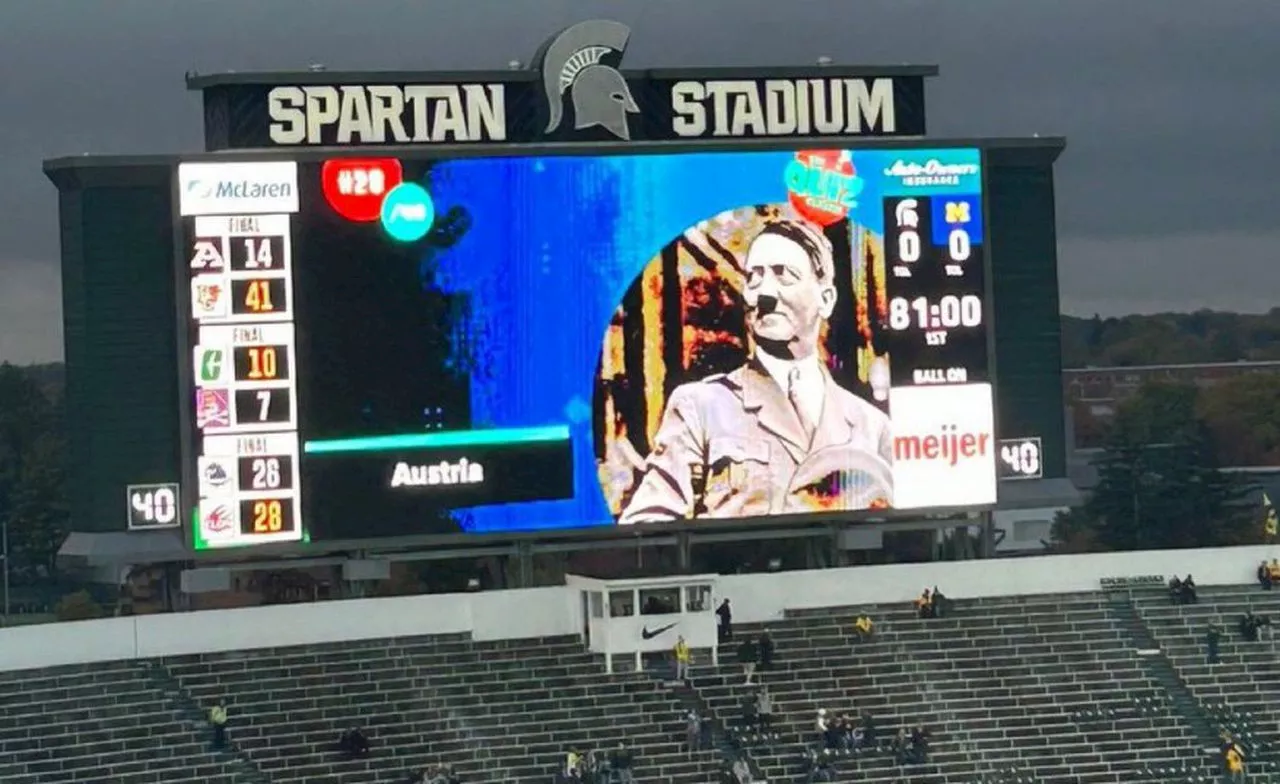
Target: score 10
(261, 363)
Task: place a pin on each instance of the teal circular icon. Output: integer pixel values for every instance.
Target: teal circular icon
(408, 212)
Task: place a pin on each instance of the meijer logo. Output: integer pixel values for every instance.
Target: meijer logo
(238, 188)
(944, 446)
(949, 444)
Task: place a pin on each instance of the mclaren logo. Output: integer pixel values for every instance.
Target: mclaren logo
(649, 634)
(582, 63)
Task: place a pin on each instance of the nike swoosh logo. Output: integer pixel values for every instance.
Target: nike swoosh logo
(649, 635)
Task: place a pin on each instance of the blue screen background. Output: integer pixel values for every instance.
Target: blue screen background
(554, 244)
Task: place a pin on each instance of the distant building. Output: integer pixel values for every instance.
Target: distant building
(1093, 393)
(1102, 388)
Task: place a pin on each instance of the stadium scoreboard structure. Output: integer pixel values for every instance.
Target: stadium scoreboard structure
(517, 303)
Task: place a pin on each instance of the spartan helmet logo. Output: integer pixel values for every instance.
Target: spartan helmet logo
(574, 62)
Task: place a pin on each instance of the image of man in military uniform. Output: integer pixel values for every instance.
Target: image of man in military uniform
(777, 435)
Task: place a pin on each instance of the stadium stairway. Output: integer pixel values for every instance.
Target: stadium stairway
(103, 724)
(498, 712)
(1043, 688)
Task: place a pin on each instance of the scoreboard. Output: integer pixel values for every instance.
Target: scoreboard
(398, 346)
(937, 273)
(244, 378)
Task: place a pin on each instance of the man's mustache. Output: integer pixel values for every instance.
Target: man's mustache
(765, 304)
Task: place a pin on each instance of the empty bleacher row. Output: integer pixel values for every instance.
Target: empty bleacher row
(1044, 689)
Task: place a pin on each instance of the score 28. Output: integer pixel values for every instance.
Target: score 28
(259, 516)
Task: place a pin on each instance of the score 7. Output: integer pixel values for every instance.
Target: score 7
(263, 406)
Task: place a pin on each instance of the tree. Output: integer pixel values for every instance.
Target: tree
(32, 470)
(38, 514)
(1243, 416)
(1159, 481)
(1074, 531)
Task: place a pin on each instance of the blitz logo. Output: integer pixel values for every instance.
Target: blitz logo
(582, 62)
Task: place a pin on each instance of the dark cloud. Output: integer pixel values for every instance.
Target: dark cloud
(1168, 104)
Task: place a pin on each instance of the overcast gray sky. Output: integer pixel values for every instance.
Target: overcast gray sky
(1165, 195)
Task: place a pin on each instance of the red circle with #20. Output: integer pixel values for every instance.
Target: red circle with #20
(355, 187)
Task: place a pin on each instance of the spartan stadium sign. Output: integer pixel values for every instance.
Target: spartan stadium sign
(576, 92)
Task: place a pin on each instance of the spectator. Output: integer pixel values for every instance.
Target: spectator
(1251, 625)
(901, 747)
(924, 604)
(218, 721)
(353, 744)
(764, 709)
(846, 730)
(572, 766)
(823, 726)
(750, 713)
(683, 659)
(596, 768)
(1212, 638)
(1232, 758)
(620, 762)
(742, 770)
(869, 731)
(919, 749)
(833, 738)
(764, 646)
(439, 774)
(941, 605)
(748, 655)
(724, 622)
(1182, 591)
(693, 731)
(863, 628)
(818, 766)
(1264, 576)
(857, 738)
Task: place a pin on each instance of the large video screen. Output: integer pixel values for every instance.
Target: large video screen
(398, 347)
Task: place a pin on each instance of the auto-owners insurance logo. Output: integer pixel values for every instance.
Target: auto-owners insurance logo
(240, 188)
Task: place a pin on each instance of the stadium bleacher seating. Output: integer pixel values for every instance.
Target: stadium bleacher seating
(498, 712)
(1242, 690)
(1004, 686)
(1017, 689)
(101, 724)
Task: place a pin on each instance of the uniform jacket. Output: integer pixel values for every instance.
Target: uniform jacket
(731, 445)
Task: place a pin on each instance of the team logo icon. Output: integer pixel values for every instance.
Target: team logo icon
(216, 518)
(215, 476)
(210, 364)
(582, 63)
(213, 409)
(206, 256)
(957, 212)
(208, 297)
